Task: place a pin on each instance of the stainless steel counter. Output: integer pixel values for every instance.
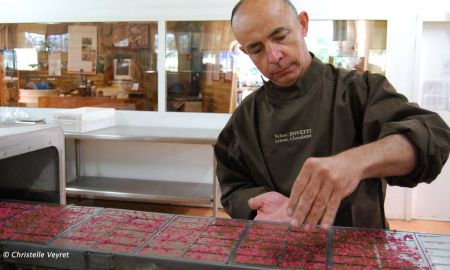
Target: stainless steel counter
(148, 190)
(150, 134)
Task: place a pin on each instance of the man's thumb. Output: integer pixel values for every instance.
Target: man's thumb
(254, 203)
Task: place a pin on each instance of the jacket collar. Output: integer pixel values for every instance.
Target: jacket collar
(300, 88)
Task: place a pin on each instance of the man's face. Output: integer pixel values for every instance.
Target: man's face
(273, 36)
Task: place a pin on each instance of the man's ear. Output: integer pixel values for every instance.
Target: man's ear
(303, 20)
(243, 50)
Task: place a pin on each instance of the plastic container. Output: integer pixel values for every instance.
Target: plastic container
(84, 119)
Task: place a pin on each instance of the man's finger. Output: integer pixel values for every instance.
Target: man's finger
(319, 205)
(331, 210)
(299, 186)
(255, 203)
(305, 203)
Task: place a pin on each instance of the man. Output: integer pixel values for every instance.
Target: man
(316, 144)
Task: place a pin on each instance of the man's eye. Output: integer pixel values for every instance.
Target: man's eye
(255, 51)
(280, 38)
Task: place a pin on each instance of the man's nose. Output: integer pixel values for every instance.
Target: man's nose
(273, 53)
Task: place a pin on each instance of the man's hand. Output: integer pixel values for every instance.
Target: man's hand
(319, 188)
(323, 182)
(270, 206)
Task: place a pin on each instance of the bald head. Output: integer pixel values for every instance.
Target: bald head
(243, 2)
(272, 34)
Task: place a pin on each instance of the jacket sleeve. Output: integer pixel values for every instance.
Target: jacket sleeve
(388, 112)
(235, 180)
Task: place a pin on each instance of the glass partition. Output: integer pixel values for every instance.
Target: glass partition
(207, 72)
(69, 65)
(114, 64)
(350, 44)
(200, 67)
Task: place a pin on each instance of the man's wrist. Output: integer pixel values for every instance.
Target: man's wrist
(358, 161)
(391, 156)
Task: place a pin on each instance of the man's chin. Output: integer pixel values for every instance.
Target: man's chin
(287, 80)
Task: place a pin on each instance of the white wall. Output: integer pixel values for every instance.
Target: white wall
(118, 157)
(428, 201)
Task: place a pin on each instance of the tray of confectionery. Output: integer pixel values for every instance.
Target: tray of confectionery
(89, 237)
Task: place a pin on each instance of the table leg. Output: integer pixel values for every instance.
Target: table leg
(215, 186)
(77, 159)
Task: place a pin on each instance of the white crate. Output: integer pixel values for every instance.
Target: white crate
(84, 119)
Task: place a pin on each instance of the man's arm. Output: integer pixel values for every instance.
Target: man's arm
(235, 180)
(415, 156)
(323, 182)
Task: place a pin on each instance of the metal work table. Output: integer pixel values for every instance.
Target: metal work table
(145, 190)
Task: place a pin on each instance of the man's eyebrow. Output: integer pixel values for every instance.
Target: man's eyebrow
(275, 32)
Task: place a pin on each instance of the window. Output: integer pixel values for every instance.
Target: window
(350, 44)
(200, 67)
(26, 59)
(112, 58)
(204, 69)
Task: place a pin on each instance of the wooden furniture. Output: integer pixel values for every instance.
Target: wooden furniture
(140, 104)
(30, 97)
(187, 104)
(146, 190)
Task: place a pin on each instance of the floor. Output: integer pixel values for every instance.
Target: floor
(425, 226)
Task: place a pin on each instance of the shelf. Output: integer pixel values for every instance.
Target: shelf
(179, 193)
(150, 134)
(142, 190)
